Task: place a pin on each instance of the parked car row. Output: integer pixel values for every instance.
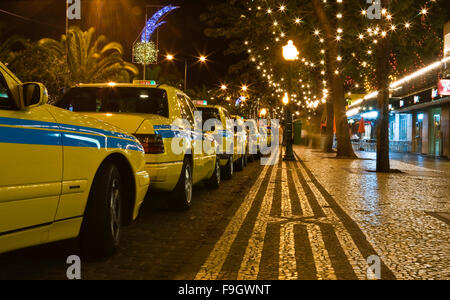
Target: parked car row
(83, 167)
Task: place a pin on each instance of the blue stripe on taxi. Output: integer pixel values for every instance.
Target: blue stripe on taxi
(20, 131)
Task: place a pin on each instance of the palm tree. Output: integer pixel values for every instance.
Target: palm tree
(7, 47)
(89, 60)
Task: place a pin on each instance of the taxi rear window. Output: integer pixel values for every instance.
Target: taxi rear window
(209, 113)
(116, 100)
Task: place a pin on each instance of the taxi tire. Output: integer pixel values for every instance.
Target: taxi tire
(240, 164)
(97, 238)
(251, 158)
(214, 181)
(228, 170)
(181, 199)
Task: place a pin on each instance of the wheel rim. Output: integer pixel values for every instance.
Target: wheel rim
(231, 167)
(188, 184)
(115, 208)
(218, 171)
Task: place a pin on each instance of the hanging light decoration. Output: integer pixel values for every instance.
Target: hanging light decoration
(145, 53)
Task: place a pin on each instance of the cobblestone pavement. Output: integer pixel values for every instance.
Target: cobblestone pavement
(155, 247)
(405, 216)
(317, 218)
(322, 218)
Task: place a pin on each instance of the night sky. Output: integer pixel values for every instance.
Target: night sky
(122, 21)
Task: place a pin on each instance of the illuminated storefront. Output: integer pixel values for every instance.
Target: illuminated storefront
(419, 119)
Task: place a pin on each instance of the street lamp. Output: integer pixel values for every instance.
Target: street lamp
(286, 99)
(201, 59)
(263, 113)
(290, 54)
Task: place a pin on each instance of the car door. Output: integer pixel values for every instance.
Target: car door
(197, 139)
(208, 154)
(231, 135)
(30, 162)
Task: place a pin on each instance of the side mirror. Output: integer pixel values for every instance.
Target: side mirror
(33, 94)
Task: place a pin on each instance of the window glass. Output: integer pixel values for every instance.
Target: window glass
(238, 123)
(227, 114)
(391, 127)
(6, 101)
(191, 105)
(116, 100)
(186, 112)
(209, 113)
(403, 128)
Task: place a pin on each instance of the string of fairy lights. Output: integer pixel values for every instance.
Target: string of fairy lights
(281, 21)
(308, 101)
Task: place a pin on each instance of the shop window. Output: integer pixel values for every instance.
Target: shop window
(403, 128)
(391, 127)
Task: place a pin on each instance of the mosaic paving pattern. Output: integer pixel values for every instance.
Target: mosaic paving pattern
(291, 227)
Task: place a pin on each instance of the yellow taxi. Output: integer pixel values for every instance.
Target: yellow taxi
(267, 132)
(63, 175)
(176, 156)
(254, 138)
(231, 143)
(242, 130)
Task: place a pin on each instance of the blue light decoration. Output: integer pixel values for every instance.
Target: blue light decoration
(154, 22)
(240, 100)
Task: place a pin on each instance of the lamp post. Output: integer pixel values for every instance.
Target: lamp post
(263, 113)
(290, 54)
(201, 59)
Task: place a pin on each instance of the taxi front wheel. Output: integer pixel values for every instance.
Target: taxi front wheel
(228, 170)
(100, 231)
(181, 198)
(250, 158)
(240, 164)
(214, 181)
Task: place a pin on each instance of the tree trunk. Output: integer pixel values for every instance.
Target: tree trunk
(344, 147)
(316, 137)
(330, 114)
(382, 77)
(329, 139)
(326, 140)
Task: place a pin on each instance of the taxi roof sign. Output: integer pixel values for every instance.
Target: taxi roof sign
(200, 102)
(144, 82)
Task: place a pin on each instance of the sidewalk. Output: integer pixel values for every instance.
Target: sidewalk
(395, 211)
(440, 164)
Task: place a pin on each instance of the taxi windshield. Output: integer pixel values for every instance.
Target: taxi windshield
(116, 100)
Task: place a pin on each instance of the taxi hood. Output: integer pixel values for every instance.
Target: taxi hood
(129, 122)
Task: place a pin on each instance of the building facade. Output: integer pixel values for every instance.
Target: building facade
(421, 124)
(419, 119)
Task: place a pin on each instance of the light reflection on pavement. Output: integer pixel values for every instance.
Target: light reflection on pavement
(392, 209)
